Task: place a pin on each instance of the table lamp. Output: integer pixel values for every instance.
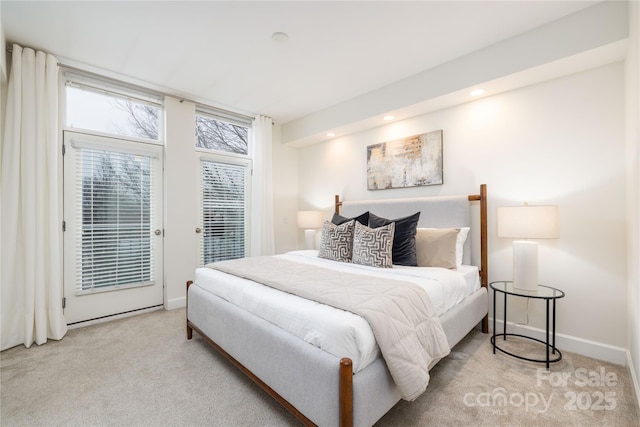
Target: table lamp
(527, 222)
(309, 221)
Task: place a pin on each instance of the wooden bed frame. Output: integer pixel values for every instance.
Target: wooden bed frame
(345, 391)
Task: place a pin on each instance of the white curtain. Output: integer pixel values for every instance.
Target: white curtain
(262, 240)
(31, 270)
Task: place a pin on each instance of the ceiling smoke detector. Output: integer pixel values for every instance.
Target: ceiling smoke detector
(279, 37)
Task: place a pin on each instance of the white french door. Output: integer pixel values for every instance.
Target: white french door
(113, 239)
(224, 208)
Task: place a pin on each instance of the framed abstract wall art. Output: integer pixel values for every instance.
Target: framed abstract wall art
(408, 162)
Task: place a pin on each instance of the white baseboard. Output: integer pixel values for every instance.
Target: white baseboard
(174, 303)
(113, 317)
(595, 350)
(169, 305)
(634, 377)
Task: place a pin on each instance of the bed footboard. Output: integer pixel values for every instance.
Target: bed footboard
(282, 401)
(326, 372)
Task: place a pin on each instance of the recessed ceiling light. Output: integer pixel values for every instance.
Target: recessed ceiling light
(477, 92)
(331, 134)
(387, 118)
(279, 37)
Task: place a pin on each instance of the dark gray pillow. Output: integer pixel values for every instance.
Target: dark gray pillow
(339, 219)
(404, 239)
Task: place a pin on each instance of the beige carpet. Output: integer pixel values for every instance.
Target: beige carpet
(141, 371)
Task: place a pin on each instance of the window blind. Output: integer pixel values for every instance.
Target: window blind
(99, 84)
(223, 210)
(114, 217)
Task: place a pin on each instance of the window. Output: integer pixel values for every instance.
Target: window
(103, 107)
(222, 132)
(223, 208)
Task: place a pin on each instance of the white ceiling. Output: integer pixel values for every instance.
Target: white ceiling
(222, 52)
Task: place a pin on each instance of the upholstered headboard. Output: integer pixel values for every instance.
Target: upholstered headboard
(435, 212)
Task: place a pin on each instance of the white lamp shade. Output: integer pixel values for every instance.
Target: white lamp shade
(528, 222)
(309, 219)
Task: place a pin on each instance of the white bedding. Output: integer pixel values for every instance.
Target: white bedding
(338, 332)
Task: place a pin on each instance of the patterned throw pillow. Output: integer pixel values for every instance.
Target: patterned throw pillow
(336, 241)
(373, 246)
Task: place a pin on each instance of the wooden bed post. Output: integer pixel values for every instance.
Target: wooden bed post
(338, 204)
(189, 329)
(484, 236)
(484, 248)
(484, 251)
(346, 392)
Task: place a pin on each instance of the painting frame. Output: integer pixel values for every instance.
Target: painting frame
(413, 161)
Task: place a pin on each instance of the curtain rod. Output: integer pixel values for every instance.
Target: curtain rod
(155, 91)
(140, 87)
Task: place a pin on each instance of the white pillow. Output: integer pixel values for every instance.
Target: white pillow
(462, 237)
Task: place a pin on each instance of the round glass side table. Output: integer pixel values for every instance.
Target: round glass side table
(550, 296)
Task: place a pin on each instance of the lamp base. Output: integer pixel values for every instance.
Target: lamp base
(309, 239)
(525, 265)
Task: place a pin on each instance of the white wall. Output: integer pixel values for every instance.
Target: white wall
(180, 188)
(632, 86)
(285, 194)
(559, 142)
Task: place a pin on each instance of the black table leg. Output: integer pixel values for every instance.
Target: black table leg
(504, 319)
(547, 335)
(494, 322)
(553, 336)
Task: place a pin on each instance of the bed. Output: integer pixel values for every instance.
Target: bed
(319, 381)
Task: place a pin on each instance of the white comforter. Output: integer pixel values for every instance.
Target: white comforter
(338, 332)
